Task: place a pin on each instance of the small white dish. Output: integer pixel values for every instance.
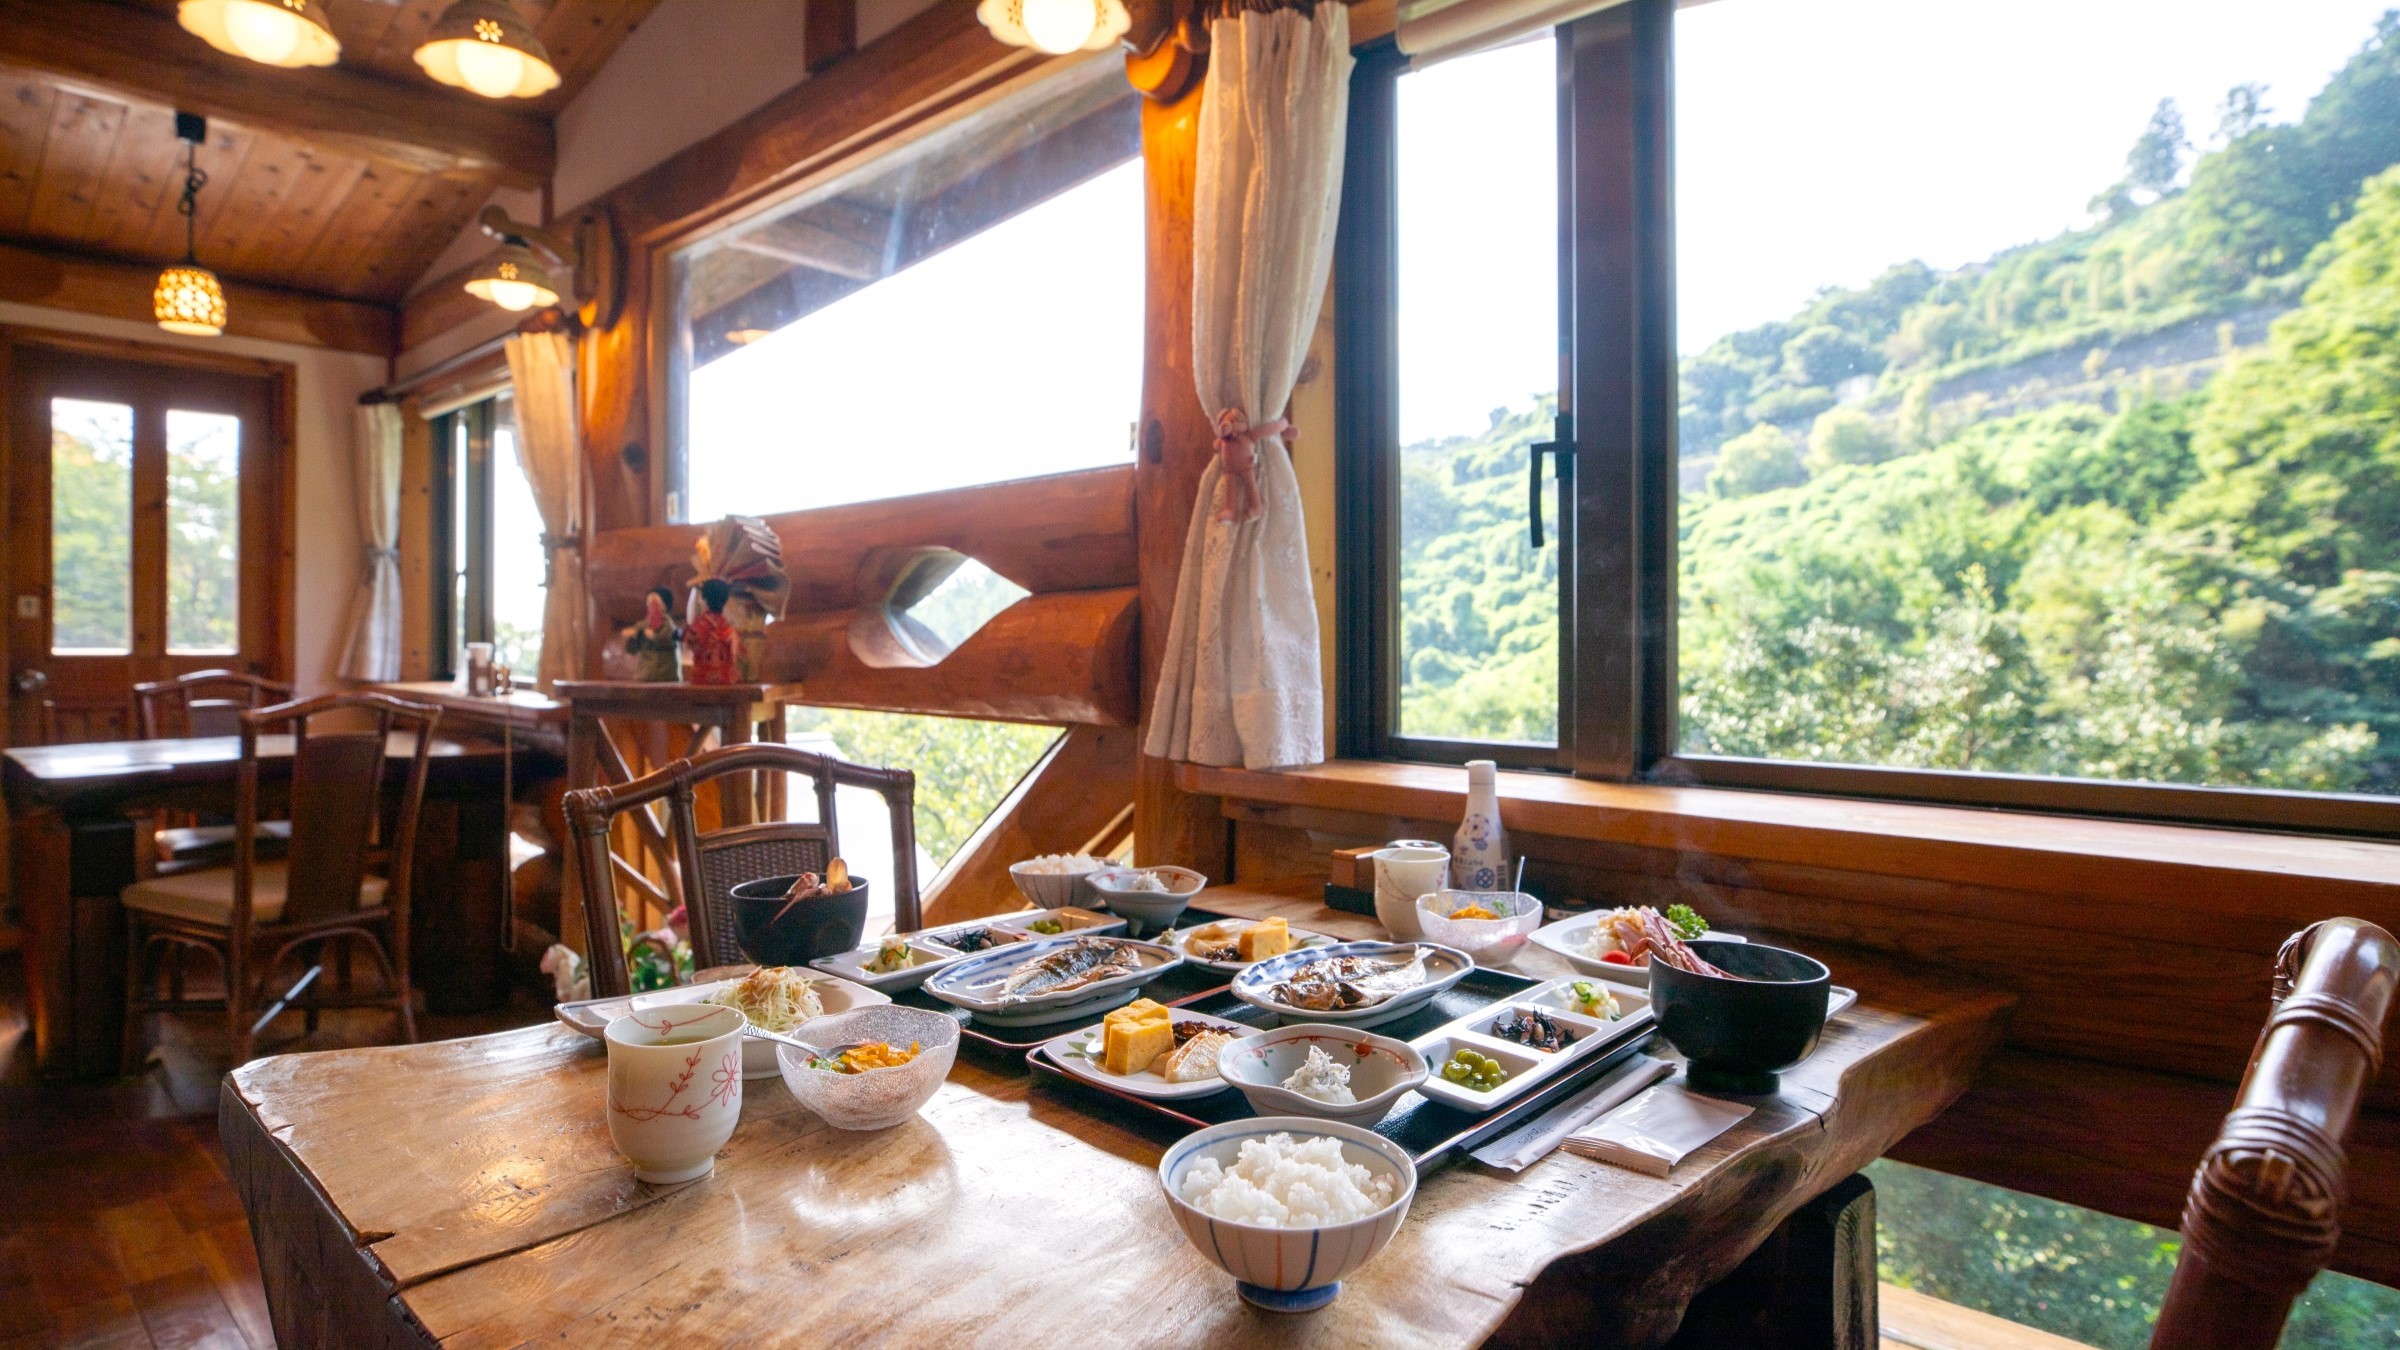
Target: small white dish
(1054, 890)
(974, 983)
(1180, 941)
(1527, 1067)
(1568, 936)
(925, 958)
(1151, 909)
(1444, 967)
(1288, 1269)
(1382, 1071)
(1077, 1054)
(1492, 942)
(1073, 921)
(758, 1057)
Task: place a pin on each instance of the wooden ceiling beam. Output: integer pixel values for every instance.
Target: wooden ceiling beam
(122, 290)
(140, 54)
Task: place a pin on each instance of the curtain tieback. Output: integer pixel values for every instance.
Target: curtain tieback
(376, 555)
(1237, 450)
(551, 544)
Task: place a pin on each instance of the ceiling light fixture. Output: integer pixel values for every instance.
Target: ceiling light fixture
(270, 32)
(482, 46)
(1056, 26)
(188, 299)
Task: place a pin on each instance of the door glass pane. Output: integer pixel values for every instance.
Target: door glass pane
(1477, 217)
(203, 532)
(91, 527)
(461, 536)
(2037, 407)
(518, 564)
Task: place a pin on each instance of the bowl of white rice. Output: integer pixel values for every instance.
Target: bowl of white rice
(1288, 1205)
(1056, 880)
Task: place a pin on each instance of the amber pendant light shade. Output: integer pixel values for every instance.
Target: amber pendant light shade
(483, 47)
(270, 32)
(188, 299)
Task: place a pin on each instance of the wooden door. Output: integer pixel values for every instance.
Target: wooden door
(145, 533)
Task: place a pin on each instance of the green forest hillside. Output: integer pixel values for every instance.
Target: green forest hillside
(2167, 568)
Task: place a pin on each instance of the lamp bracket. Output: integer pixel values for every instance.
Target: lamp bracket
(589, 248)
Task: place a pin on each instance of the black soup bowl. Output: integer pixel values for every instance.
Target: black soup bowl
(1740, 1033)
(774, 936)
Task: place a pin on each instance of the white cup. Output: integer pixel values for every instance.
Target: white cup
(1402, 873)
(674, 1088)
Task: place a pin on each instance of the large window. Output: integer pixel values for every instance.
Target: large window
(2013, 429)
(490, 534)
(965, 310)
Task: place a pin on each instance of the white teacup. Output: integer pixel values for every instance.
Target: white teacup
(674, 1088)
(1402, 873)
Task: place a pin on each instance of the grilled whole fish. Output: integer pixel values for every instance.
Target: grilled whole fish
(1081, 962)
(1347, 983)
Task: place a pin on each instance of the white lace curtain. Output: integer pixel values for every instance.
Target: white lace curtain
(372, 649)
(1241, 683)
(541, 366)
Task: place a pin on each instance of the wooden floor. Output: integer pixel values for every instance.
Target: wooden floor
(118, 1225)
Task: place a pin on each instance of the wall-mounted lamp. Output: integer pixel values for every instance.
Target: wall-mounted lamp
(483, 47)
(1056, 26)
(527, 270)
(188, 299)
(270, 32)
(1160, 68)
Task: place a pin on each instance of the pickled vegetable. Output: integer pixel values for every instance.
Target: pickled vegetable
(1471, 1070)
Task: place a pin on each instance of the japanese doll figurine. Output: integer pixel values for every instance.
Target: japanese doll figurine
(710, 637)
(652, 643)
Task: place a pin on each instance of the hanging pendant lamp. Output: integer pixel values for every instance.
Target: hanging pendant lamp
(188, 299)
(483, 47)
(1056, 26)
(270, 32)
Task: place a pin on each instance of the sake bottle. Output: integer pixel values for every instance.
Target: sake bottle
(1479, 851)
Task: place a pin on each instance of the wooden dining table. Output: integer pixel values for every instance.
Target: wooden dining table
(74, 833)
(466, 1193)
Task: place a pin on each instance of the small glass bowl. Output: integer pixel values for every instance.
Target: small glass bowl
(1489, 941)
(879, 1098)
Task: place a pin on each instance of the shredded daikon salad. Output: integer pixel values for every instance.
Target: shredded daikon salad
(774, 998)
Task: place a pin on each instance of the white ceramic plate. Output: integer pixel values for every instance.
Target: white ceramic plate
(974, 982)
(592, 1016)
(1064, 1051)
(1302, 941)
(1023, 920)
(1444, 966)
(1565, 937)
(852, 965)
(1528, 1068)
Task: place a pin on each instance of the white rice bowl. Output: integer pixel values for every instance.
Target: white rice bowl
(1288, 1205)
(1281, 1182)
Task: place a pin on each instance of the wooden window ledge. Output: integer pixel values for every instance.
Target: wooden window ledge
(2227, 871)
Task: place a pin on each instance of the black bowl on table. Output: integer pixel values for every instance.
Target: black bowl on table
(773, 935)
(1739, 1034)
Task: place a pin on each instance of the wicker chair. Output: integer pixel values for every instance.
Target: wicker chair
(2264, 1212)
(712, 864)
(320, 899)
(203, 703)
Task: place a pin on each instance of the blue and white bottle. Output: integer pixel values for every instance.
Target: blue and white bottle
(1479, 851)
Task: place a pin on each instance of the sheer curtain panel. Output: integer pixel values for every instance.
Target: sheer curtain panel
(372, 650)
(541, 366)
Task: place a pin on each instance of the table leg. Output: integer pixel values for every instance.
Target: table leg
(1811, 1284)
(455, 912)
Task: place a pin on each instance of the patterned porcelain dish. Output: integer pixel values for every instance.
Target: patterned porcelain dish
(1153, 910)
(879, 1098)
(674, 1089)
(1054, 890)
(1492, 942)
(1079, 1053)
(1444, 966)
(1181, 941)
(1288, 1269)
(1382, 1071)
(1570, 938)
(975, 983)
(758, 1057)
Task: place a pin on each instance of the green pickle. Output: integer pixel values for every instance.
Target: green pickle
(1469, 1069)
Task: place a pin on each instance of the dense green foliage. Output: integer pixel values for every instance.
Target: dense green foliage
(2042, 514)
(203, 532)
(963, 768)
(91, 537)
(2070, 1271)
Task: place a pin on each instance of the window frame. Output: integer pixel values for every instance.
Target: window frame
(1618, 618)
(462, 441)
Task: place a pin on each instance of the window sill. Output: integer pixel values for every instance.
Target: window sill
(2229, 871)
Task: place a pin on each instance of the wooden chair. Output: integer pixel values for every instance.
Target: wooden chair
(203, 703)
(712, 864)
(320, 897)
(2264, 1212)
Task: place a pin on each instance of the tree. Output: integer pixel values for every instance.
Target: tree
(1825, 355)
(1759, 460)
(1848, 436)
(2156, 160)
(2240, 113)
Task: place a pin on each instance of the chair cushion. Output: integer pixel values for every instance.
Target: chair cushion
(207, 896)
(187, 842)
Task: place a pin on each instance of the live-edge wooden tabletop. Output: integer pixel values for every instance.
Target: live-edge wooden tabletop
(479, 1178)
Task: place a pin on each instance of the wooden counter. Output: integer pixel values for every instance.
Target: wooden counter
(467, 1193)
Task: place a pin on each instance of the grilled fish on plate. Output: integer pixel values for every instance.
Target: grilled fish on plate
(1081, 962)
(1347, 983)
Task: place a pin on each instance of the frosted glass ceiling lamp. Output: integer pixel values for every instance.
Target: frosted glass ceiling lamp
(579, 266)
(514, 279)
(270, 32)
(1056, 26)
(483, 47)
(188, 299)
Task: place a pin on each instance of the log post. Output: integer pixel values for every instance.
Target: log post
(1170, 826)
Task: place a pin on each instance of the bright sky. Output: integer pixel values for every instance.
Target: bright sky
(1015, 352)
(1817, 142)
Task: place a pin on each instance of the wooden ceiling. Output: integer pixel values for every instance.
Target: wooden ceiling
(343, 182)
